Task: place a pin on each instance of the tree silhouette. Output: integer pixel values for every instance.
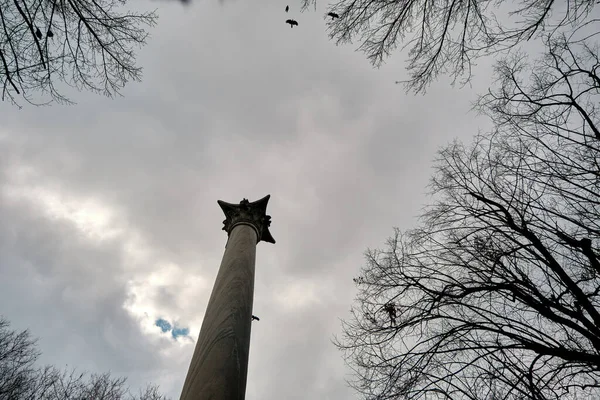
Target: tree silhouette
(85, 44)
(497, 291)
(21, 379)
(447, 36)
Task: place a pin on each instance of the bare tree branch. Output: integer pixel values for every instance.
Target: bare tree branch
(21, 379)
(446, 37)
(85, 44)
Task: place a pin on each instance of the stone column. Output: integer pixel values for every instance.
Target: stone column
(219, 366)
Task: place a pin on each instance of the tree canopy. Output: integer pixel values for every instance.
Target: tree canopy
(496, 294)
(85, 44)
(22, 379)
(448, 36)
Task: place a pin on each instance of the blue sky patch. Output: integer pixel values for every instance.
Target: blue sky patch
(180, 332)
(163, 325)
(176, 332)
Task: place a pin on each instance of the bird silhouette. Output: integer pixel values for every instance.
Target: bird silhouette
(333, 15)
(38, 33)
(50, 34)
(254, 317)
(287, 8)
(390, 308)
(291, 22)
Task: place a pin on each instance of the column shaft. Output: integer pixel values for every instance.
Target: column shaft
(219, 366)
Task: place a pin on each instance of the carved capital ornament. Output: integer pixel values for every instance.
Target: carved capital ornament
(253, 214)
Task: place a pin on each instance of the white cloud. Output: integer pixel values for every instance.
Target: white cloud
(155, 288)
(87, 215)
(296, 295)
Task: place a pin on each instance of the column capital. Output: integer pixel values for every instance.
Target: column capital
(247, 213)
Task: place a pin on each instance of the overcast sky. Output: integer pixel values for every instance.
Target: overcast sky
(108, 209)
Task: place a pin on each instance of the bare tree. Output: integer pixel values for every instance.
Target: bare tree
(21, 379)
(447, 36)
(497, 293)
(17, 358)
(85, 44)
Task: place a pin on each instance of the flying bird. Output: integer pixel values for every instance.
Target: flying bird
(287, 8)
(254, 317)
(291, 22)
(333, 15)
(38, 33)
